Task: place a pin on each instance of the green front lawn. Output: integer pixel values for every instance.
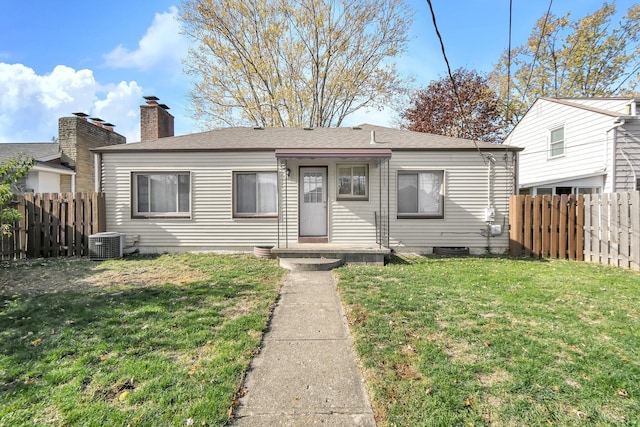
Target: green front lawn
(490, 341)
(149, 341)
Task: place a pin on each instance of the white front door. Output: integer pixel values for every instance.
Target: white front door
(313, 202)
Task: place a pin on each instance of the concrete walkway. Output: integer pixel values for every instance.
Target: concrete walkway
(306, 372)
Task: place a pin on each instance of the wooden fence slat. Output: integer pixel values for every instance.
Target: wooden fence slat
(555, 226)
(605, 216)
(528, 227)
(69, 233)
(588, 231)
(571, 227)
(580, 228)
(537, 226)
(546, 225)
(625, 225)
(634, 232)
(562, 243)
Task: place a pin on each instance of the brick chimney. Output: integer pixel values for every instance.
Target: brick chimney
(77, 136)
(155, 121)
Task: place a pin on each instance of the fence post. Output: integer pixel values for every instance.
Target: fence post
(580, 241)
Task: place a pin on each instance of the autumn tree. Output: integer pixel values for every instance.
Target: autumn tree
(565, 58)
(10, 173)
(292, 62)
(468, 111)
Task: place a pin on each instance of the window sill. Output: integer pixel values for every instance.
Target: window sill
(352, 199)
(255, 216)
(408, 216)
(161, 216)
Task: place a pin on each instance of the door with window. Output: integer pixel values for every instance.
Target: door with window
(313, 202)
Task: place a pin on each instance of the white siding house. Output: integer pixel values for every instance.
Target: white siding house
(236, 188)
(583, 145)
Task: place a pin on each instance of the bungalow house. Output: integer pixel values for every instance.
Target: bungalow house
(578, 145)
(65, 165)
(47, 175)
(367, 186)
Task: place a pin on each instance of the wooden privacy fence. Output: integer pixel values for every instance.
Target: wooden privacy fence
(546, 226)
(603, 228)
(612, 229)
(54, 225)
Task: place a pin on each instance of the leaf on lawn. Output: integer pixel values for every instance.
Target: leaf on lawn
(123, 395)
(622, 392)
(103, 358)
(429, 390)
(556, 388)
(189, 421)
(36, 342)
(582, 415)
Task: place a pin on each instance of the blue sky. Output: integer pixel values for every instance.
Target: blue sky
(59, 57)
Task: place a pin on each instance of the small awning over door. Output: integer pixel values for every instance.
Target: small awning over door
(333, 153)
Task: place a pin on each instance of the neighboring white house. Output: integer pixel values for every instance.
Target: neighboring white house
(236, 188)
(578, 145)
(47, 175)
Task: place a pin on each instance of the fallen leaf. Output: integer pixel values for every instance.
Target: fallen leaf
(36, 342)
(189, 421)
(581, 414)
(429, 390)
(123, 395)
(556, 388)
(622, 392)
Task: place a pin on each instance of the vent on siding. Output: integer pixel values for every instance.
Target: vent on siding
(103, 246)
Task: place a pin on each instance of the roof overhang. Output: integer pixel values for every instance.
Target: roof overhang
(333, 153)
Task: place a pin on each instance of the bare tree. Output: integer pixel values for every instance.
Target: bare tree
(293, 62)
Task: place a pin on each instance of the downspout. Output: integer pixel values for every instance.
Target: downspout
(619, 122)
(97, 172)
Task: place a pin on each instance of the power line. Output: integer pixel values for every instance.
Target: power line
(535, 56)
(509, 61)
(453, 82)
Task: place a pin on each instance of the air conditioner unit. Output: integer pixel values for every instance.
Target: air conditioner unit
(108, 245)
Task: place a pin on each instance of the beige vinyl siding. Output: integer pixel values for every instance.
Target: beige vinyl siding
(211, 224)
(349, 221)
(588, 146)
(465, 199)
(628, 142)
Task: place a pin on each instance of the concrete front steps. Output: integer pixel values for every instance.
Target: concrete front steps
(323, 257)
(310, 264)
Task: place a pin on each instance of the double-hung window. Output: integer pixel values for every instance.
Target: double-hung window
(421, 194)
(556, 142)
(161, 194)
(255, 194)
(353, 182)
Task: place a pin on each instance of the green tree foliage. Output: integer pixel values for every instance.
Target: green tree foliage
(10, 173)
(435, 109)
(293, 62)
(565, 58)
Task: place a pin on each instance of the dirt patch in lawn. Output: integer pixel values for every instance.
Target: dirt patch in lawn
(74, 274)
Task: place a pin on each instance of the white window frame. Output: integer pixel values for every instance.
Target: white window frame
(135, 208)
(421, 215)
(553, 143)
(235, 198)
(352, 196)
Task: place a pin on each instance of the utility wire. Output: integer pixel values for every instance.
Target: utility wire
(453, 82)
(509, 61)
(535, 56)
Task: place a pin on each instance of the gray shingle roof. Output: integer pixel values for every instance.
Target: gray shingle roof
(250, 139)
(37, 150)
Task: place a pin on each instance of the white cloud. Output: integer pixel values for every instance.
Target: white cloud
(31, 104)
(162, 45)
